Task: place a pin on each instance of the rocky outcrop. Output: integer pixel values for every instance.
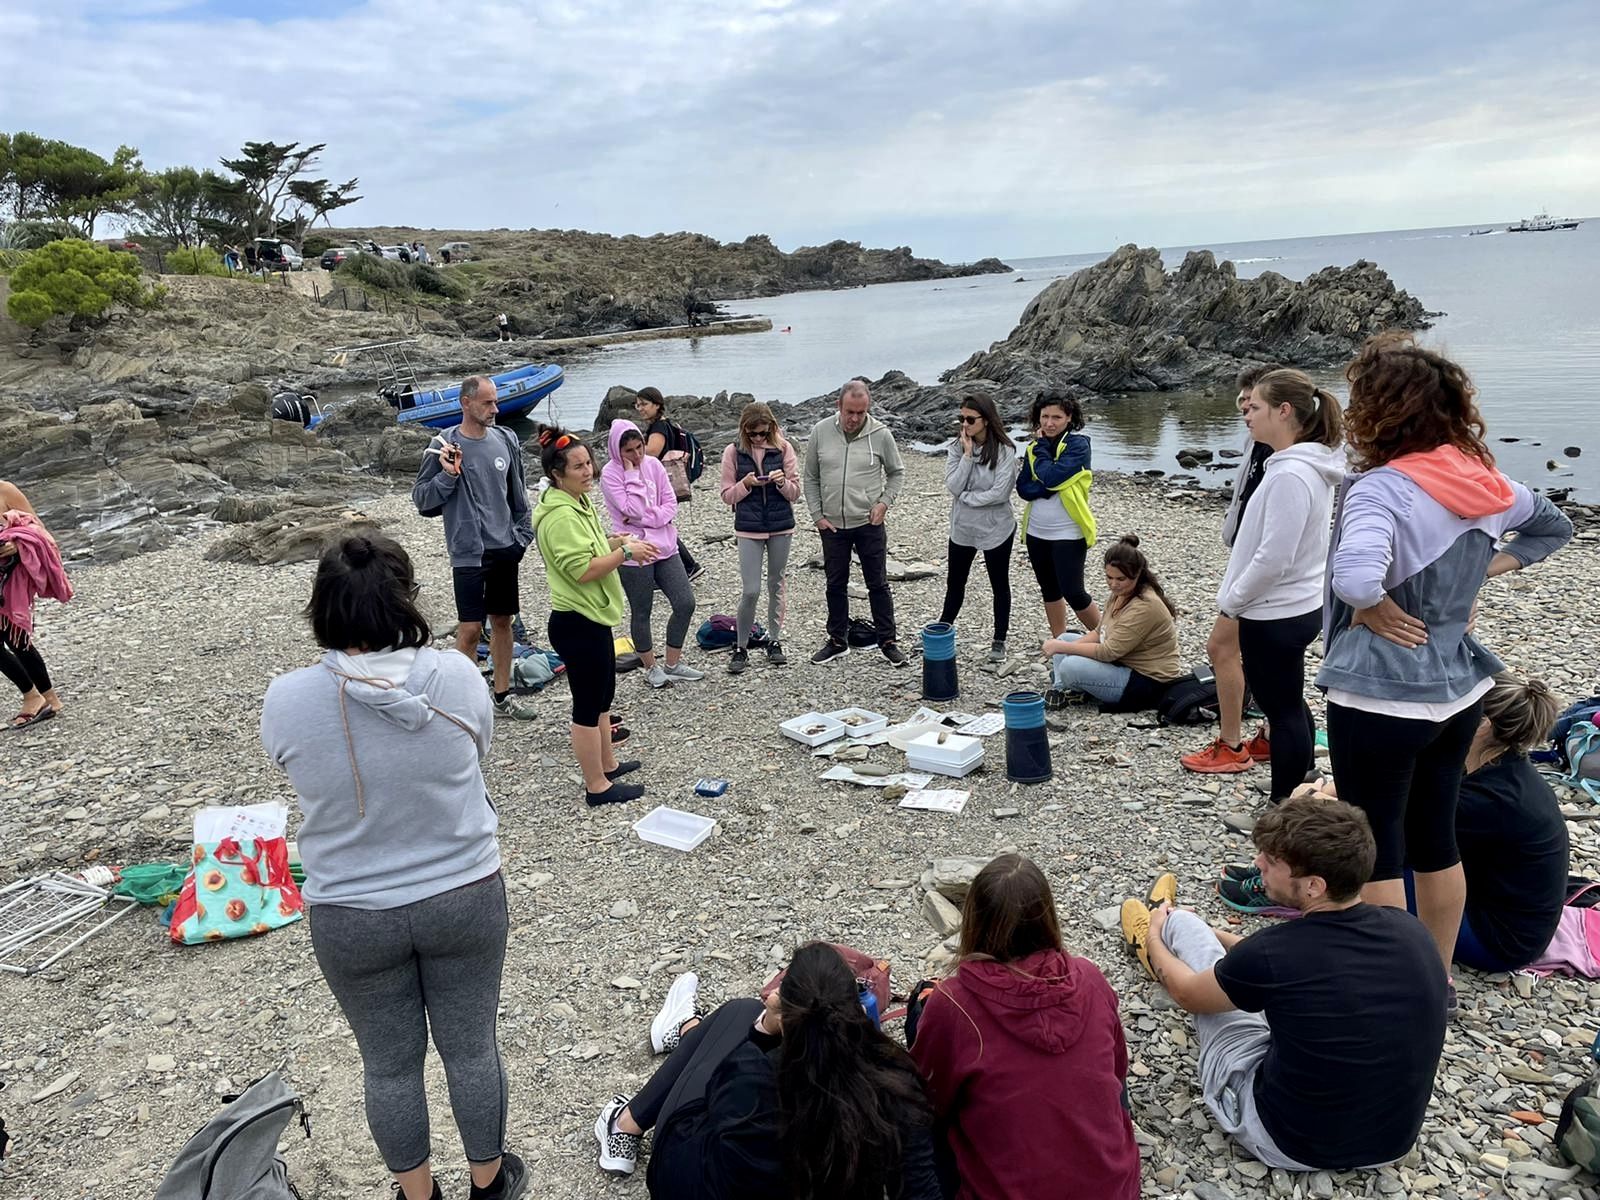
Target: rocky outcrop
(365, 430)
(1127, 324)
(294, 535)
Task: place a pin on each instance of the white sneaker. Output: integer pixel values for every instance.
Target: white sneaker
(677, 1008)
(656, 677)
(684, 672)
(619, 1151)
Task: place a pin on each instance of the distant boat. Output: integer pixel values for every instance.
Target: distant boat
(1481, 232)
(1541, 223)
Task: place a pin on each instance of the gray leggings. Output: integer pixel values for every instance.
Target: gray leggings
(399, 972)
(640, 584)
(774, 551)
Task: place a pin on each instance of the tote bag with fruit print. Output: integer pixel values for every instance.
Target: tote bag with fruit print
(236, 887)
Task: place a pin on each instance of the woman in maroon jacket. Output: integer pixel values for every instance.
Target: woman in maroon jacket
(1024, 1055)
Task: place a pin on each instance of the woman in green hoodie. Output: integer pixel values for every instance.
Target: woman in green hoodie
(581, 562)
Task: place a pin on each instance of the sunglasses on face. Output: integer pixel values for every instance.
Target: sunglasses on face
(966, 420)
(756, 433)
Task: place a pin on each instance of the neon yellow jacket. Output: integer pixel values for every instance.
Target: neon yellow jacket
(1074, 493)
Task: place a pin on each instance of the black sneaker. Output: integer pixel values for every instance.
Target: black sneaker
(739, 661)
(831, 650)
(1249, 895)
(510, 1184)
(1239, 873)
(895, 655)
(775, 654)
(617, 793)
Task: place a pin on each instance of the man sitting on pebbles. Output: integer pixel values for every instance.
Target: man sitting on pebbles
(1319, 1037)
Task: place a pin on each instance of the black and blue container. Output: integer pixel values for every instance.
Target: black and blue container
(939, 662)
(1027, 744)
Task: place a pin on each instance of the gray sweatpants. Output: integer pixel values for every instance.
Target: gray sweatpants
(753, 553)
(399, 972)
(639, 583)
(1232, 1045)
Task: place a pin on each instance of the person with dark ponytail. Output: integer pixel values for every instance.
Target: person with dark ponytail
(383, 741)
(1273, 584)
(1058, 529)
(979, 473)
(1131, 658)
(1024, 1054)
(1415, 535)
(801, 1096)
(581, 562)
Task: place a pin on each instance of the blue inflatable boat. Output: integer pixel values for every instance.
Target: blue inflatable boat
(518, 390)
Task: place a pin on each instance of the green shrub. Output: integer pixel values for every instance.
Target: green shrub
(31, 235)
(195, 260)
(10, 260)
(77, 279)
(315, 244)
(435, 282)
(372, 271)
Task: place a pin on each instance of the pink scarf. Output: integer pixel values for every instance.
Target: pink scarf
(36, 572)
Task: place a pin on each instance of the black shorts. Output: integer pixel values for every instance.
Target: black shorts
(489, 589)
(1058, 566)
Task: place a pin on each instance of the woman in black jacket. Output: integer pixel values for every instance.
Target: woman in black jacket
(802, 1097)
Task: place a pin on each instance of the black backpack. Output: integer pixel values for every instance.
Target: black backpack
(1189, 701)
(694, 463)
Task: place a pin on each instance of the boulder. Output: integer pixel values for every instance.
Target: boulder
(951, 877)
(941, 914)
(365, 431)
(294, 535)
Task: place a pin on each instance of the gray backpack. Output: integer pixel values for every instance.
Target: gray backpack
(235, 1156)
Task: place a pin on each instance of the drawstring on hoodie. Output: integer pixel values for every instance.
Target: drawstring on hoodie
(346, 679)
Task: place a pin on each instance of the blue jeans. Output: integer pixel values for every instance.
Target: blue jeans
(1104, 681)
(1470, 952)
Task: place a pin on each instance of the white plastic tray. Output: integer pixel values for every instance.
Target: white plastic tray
(674, 828)
(859, 722)
(943, 767)
(826, 728)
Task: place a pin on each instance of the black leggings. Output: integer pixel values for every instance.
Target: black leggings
(1274, 654)
(589, 653)
(1406, 776)
(1058, 566)
(21, 663)
(998, 563)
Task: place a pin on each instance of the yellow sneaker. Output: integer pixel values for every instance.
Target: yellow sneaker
(1164, 888)
(1135, 932)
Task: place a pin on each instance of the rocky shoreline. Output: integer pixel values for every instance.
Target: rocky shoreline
(115, 1055)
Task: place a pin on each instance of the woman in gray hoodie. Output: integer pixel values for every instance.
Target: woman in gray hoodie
(1273, 584)
(979, 473)
(383, 740)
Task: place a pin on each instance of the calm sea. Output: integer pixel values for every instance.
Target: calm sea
(1523, 316)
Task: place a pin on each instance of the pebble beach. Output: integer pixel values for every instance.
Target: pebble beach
(115, 1055)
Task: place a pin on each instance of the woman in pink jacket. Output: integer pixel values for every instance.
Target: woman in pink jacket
(761, 481)
(641, 502)
(30, 566)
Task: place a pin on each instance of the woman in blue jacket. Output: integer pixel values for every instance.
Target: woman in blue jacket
(1057, 526)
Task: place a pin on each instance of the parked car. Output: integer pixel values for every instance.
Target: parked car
(275, 254)
(454, 252)
(398, 253)
(332, 257)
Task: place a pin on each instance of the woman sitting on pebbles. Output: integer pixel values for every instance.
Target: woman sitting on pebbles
(801, 1097)
(581, 563)
(642, 505)
(30, 567)
(1128, 663)
(761, 480)
(979, 473)
(384, 741)
(1024, 1054)
(1057, 527)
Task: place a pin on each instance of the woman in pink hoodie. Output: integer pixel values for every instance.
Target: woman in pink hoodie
(1024, 1055)
(30, 566)
(642, 504)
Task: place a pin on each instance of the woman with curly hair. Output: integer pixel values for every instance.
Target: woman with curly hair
(1058, 528)
(801, 1096)
(1416, 533)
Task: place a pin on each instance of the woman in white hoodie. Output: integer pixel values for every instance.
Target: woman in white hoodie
(1274, 581)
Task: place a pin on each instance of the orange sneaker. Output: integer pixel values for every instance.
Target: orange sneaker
(1258, 748)
(1219, 758)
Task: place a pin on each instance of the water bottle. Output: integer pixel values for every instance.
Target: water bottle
(869, 999)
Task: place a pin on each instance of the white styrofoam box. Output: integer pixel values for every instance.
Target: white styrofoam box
(859, 722)
(813, 728)
(674, 828)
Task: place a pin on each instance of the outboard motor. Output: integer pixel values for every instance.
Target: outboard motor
(291, 406)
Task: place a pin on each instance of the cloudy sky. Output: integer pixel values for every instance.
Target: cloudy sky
(1008, 127)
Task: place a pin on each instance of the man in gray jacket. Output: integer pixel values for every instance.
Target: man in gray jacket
(471, 475)
(852, 474)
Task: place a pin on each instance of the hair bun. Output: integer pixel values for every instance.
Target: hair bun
(358, 551)
(1129, 539)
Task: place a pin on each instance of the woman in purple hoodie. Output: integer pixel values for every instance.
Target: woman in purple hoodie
(642, 504)
(1416, 533)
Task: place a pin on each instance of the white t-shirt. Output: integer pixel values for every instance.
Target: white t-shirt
(1049, 521)
(1411, 710)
